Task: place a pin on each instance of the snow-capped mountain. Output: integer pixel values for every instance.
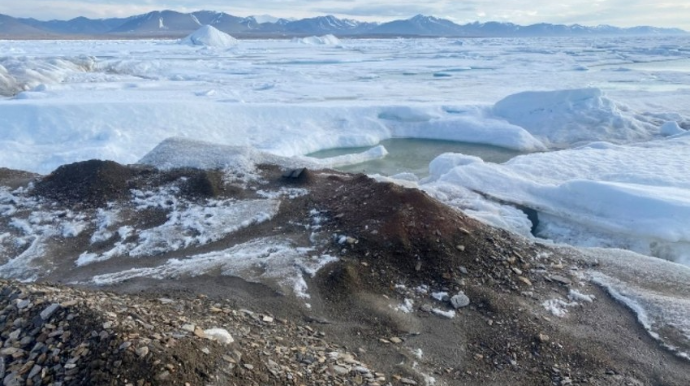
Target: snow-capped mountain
(419, 26)
(328, 25)
(172, 23)
(159, 22)
(77, 26)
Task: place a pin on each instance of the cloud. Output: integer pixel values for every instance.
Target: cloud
(663, 13)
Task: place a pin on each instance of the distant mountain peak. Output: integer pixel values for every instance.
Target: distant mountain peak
(172, 23)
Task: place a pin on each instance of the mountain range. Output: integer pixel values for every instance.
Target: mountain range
(177, 24)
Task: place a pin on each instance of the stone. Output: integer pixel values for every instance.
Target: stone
(561, 279)
(460, 248)
(34, 371)
(525, 280)
(460, 300)
(189, 327)
(49, 311)
(407, 381)
(395, 340)
(199, 333)
(340, 370)
(142, 351)
(163, 376)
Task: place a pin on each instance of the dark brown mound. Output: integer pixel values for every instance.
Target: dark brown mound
(415, 234)
(90, 183)
(94, 183)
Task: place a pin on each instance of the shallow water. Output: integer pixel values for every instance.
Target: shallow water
(414, 155)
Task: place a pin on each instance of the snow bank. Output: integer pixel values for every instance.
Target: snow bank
(568, 117)
(635, 197)
(125, 131)
(180, 152)
(209, 36)
(24, 73)
(325, 40)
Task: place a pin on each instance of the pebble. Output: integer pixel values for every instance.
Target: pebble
(560, 279)
(460, 300)
(49, 311)
(142, 351)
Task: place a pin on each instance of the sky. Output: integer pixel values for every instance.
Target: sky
(622, 13)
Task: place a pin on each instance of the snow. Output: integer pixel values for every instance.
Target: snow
(209, 36)
(220, 335)
(406, 307)
(565, 118)
(188, 224)
(258, 260)
(325, 40)
(627, 196)
(450, 314)
(558, 307)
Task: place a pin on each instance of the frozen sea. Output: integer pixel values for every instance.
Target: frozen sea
(591, 134)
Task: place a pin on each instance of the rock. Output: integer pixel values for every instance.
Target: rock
(125, 345)
(560, 279)
(163, 376)
(34, 371)
(460, 300)
(199, 333)
(395, 340)
(189, 327)
(426, 307)
(525, 280)
(463, 270)
(407, 381)
(142, 351)
(543, 338)
(460, 248)
(248, 366)
(22, 304)
(219, 335)
(340, 370)
(49, 311)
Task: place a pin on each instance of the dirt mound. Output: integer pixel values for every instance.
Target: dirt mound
(415, 235)
(93, 182)
(15, 178)
(57, 335)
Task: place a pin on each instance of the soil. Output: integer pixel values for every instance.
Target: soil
(394, 244)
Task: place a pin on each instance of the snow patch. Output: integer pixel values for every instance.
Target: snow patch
(208, 36)
(325, 40)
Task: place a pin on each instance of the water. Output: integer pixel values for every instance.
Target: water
(414, 155)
